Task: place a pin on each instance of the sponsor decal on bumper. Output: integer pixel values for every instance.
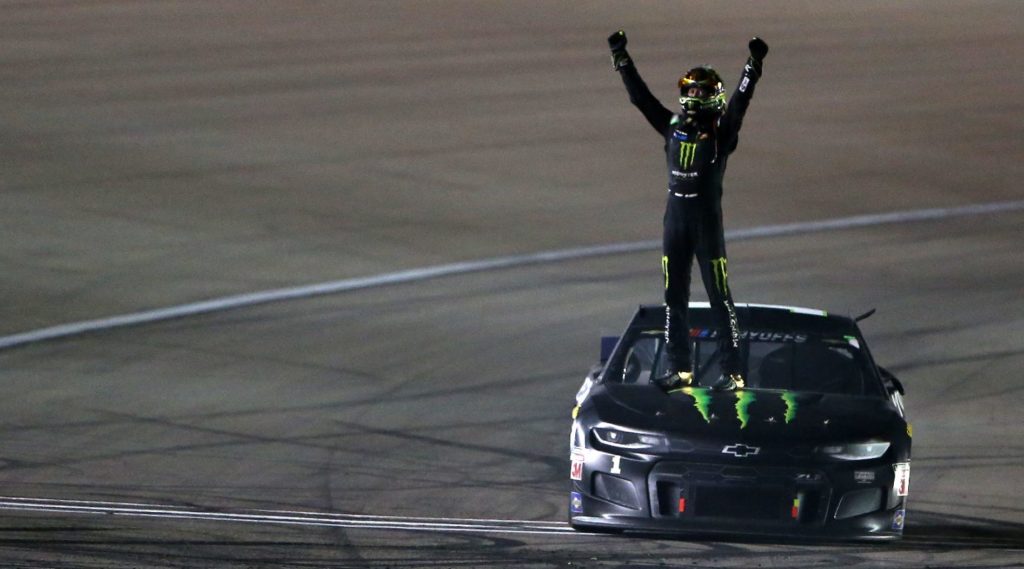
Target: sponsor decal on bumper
(901, 482)
(898, 519)
(864, 476)
(576, 470)
(576, 502)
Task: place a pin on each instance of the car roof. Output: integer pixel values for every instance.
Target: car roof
(754, 315)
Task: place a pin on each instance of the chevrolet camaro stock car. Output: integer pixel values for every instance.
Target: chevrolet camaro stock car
(816, 445)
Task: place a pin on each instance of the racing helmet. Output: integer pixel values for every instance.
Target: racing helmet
(701, 93)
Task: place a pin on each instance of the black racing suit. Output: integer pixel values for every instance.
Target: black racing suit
(693, 215)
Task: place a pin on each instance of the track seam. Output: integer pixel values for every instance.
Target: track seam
(286, 517)
(496, 263)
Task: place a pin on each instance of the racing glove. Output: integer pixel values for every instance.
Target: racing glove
(758, 51)
(617, 43)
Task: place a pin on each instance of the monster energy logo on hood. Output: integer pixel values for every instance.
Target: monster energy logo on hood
(703, 396)
(791, 406)
(701, 400)
(743, 400)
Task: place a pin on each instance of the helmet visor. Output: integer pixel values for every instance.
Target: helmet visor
(694, 89)
(699, 91)
(703, 103)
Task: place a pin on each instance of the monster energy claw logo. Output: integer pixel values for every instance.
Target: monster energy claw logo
(664, 269)
(743, 401)
(791, 406)
(687, 150)
(701, 401)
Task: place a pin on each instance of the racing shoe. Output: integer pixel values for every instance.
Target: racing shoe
(730, 382)
(674, 380)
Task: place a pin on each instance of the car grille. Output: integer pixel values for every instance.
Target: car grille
(739, 502)
(773, 494)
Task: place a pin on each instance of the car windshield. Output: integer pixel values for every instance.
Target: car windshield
(771, 360)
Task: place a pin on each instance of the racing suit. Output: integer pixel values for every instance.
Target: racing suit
(696, 163)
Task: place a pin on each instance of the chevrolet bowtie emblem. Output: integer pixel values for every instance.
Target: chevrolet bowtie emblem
(741, 451)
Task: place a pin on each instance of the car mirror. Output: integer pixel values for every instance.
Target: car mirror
(894, 384)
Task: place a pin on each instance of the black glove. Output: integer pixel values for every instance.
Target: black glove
(755, 63)
(617, 43)
(758, 49)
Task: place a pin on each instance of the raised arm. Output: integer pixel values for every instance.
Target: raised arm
(639, 94)
(732, 120)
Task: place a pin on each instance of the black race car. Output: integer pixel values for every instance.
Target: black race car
(816, 445)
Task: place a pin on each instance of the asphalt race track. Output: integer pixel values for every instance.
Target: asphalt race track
(164, 153)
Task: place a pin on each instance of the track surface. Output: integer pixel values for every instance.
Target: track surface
(163, 153)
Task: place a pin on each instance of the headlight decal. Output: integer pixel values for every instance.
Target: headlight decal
(866, 450)
(629, 440)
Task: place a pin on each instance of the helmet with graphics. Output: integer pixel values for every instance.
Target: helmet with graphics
(701, 94)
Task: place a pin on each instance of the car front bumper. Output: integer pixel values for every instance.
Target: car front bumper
(738, 498)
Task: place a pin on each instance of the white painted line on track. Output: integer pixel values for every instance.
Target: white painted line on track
(286, 517)
(452, 269)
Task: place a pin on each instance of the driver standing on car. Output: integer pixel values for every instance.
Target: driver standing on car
(698, 142)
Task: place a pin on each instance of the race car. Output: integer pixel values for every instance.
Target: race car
(816, 445)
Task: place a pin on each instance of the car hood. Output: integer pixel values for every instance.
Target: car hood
(754, 414)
